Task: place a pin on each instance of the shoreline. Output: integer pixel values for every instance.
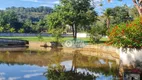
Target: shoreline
(99, 50)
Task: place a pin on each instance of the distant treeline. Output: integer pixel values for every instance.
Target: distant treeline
(33, 14)
(23, 20)
(36, 20)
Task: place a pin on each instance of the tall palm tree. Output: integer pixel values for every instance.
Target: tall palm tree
(107, 14)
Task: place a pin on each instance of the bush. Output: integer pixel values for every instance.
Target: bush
(127, 35)
(95, 34)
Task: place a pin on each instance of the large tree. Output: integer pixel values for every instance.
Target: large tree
(120, 14)
(74, 13)
(137, 4)
(9, 19)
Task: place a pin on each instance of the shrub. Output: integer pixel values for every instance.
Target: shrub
(127, 35)
(95, 34)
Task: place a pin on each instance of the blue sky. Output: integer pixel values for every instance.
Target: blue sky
(50, 3)
(27, 3)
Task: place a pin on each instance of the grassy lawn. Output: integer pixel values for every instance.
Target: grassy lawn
(49, 39)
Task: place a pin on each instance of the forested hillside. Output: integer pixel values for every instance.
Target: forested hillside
(33, 14)
(21, 19)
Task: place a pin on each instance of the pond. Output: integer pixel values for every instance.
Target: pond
(55, 65)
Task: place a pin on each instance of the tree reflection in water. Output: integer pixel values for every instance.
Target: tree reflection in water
(59, 73)
(92, 64)
(79, 64)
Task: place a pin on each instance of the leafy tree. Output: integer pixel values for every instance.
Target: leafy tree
(12, 30)
(55, 25)
(137, 4)
(59, 73)
(21, 30)
(33, 14)
(27, 26)
(74, 13)
(41, 26)
(133, 12)
(120, 14)
(1, 29)
(95, 33)
(101, 24)
(9, 20)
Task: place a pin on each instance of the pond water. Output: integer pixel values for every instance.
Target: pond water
(55, 65)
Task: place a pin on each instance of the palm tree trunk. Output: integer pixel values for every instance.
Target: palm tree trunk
(108, 23)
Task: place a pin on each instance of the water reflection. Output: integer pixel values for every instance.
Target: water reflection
(21, 72)
(59, 72)
(61, 66)
(83, 68)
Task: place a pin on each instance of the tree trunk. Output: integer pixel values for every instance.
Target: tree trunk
(108, 23)
(75, 35)
(139, 10)
(74, 30)
(138, 6)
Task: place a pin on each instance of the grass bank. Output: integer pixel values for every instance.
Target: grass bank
(49, 39)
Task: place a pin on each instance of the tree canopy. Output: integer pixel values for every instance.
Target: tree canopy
(74, 13)
(137, 4)
(20, 19)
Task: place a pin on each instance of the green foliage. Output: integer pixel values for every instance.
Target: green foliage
(120, 14)
(133, 12)
(31, 20)
(12, 30)
(1, 29)
(95, 34)
(33, 14)
(117, 15)
(57, 33)
(9, 21)
(39, 36)
(58, 73)
(21, 30)
(127, 35)
(108, 12)
(75, 13)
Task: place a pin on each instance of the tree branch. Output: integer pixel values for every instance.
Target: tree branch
(135, 3)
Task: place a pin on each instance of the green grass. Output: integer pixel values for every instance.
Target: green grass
(104, 39)
(49, 39)
(45, 39)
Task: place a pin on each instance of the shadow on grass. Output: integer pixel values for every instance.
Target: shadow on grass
(98, 42)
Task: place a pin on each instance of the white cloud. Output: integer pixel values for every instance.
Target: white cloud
(49, 3)
(44, 5)
(14, 78)
(56, 2)
(30, 70)
(31, 0)
(32, 75)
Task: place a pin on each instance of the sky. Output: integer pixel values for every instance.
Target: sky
(50, 3)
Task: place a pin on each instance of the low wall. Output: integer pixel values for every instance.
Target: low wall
(130, 56)
(29, 35)
(104, 48)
